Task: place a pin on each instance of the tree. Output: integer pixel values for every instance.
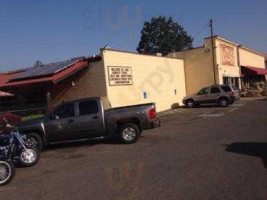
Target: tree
(163, 35)
(38, 63)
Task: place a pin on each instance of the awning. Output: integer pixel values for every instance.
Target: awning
(6, 94)
(249, 71)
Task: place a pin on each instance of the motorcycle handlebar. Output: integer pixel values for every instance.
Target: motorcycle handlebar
(7, 124)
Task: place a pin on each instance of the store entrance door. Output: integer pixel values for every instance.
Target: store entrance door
(231, 80)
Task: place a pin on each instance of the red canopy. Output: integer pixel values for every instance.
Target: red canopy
(5, 94)
(253, 71)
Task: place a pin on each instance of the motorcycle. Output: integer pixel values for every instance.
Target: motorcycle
(13, 151)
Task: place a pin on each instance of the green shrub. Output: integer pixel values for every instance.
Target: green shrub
(26, 118)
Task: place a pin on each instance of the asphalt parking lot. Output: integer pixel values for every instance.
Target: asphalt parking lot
(201, 153)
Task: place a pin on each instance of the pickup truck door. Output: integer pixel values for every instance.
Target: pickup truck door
(61, 124)
(89, 119)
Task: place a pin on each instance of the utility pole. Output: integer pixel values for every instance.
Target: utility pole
(212, 50)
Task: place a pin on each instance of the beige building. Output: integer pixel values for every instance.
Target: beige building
(127, 79)
(204, 67)
(266, 61)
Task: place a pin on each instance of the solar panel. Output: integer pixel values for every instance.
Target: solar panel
(47, 69)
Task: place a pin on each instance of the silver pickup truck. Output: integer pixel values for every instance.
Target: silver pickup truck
(88, 119)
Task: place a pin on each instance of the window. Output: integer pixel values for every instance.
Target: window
(203, 91)
(236, 84)
(175, 92)
(226, 88)
(88, 107)
(225, 80)
(215, 90)
(234, 87)
(65, 111)
(144, 95)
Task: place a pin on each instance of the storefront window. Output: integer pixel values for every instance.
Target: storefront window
(231, 80)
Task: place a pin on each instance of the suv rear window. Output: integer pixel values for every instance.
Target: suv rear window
(226, 88)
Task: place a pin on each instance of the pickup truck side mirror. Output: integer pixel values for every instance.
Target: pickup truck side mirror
(51, 116)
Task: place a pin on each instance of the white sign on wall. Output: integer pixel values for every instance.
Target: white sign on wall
(120, 76)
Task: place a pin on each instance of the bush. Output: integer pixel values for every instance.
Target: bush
(30, 117)
(253, 84)
(12, 119)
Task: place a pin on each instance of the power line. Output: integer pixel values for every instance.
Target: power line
(205, 26)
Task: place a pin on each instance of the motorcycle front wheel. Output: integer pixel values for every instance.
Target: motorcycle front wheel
(29, 157)
(7, 172)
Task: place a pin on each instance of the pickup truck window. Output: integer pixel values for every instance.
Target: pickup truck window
(88, 107)
(65, 111)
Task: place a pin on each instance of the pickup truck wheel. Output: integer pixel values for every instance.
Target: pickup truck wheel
(34, 141)
(129, 133)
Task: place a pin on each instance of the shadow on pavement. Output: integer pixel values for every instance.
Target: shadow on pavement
(250, 148)
(265, 99)
(203, 106)
(209, 106)
(73, 145)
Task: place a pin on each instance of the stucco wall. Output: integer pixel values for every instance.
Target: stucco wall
(157, 76)
(232, 68)
(199, 71)
(249, 58)
(87, 83)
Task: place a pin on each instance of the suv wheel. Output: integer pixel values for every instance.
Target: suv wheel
(190, 103)
(223, 102)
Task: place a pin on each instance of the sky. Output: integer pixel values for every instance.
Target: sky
(56, 30)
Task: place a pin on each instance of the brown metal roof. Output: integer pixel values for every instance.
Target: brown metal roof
(5, 78)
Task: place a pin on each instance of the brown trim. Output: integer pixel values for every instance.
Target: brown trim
(223, 39)
(96, 58)
(28, 85)
(251, 50)
(140, 54)
(68, 75)
(195, 48)
(215, 36)
(234, 43)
